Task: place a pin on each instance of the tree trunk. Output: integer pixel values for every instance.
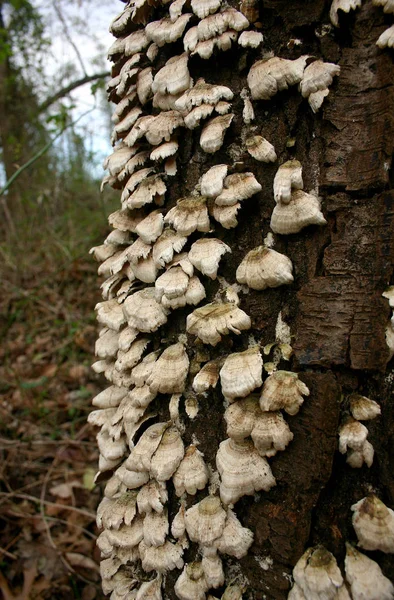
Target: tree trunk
(334, 308)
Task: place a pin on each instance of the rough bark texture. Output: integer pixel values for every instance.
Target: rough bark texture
(335, 307)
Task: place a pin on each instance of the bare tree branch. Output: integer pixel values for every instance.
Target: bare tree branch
(61, 18)
(69, 88)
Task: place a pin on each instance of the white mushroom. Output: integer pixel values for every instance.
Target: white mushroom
(241, 373)
(302, 210)
(235, 540)
(168, 455)
(156, 528)
(150, 228)
(271, 433)
(169, 372)
(144, 85)
(242, 470)
(250, 39)
(129, 358)
(166, 30)
(143, 312)
(237, 187)
(174, 77)
(191, 584)
(352, 434)
(161, 558)
(193, 118)
(166, 245)
(207, 377)
(127, 536)
(141, 455)
(213, 320)
(318, 76)
(203, 8)
(366, 579)
(213, 180)
(205, 521)
(212, 135)
(288, 177)
(151, 189)
(362, 408)
(267, 77)
(283, 390)
(386, 39)
(373, 522)
(205, 255)
(189, 214)
(263, 267)
(192, 473)
(203, 93)
(261, 149)
(344, 5)
(365, 454)
(113, 512)
(226, 215)
(213, 571)
(110, 397)
(178, 527)
(110, 314)
(387, 5)
(318, 577)
(150, 590)
(152, 496)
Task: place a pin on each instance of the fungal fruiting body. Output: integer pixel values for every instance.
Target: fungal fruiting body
(373, 522)
(175, 335)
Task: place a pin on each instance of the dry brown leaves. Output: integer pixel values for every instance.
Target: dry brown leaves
(47, 451)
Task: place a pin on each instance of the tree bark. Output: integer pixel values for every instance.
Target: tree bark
(334, 308)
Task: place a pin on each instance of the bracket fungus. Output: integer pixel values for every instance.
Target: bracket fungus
(174, 77)
(189, 214)
(191, 584)
(365, 577)
(362, 408)
(235, 540)
(373, 523)
(203, 8)
(301, 211)
(205, 255)
(213, 320)
(250, 39)
(318, 577)
(267, 77)
(387, 5)
(344, 5)
(143, 312)
(288, 177)
(263, 268)
(242, 471)
(237, 187)
(192, 473)
(205, 520)
(207, 377)
(283, 390)
(212, 135)
(153, 414)
(261, 149)
(386, 39)
(169, 372)
(212, 181)
(241, 373)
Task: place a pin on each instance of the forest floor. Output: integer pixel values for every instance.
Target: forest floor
(47, 450)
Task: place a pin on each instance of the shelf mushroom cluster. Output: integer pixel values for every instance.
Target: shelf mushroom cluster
(317, 575)
(158, 259)
(353, 434)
